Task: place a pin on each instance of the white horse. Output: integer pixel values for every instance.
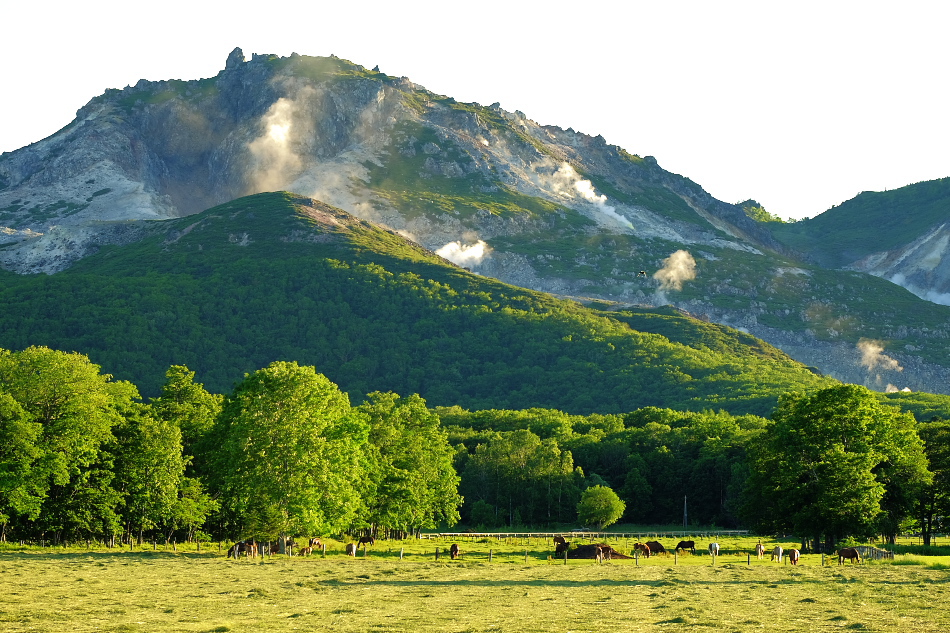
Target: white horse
(777, 553)
(759, 550)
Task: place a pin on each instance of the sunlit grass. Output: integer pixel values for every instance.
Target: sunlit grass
(162, 591)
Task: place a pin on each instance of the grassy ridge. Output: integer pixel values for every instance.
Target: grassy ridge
(278, 277)
(869, 222)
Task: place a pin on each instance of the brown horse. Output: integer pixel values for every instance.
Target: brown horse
(367, 540)
(562, 547)
(850, 553)
(793, 556)
(558, 539)
(656, 547)
(642, 547)
(305, 551)
(315, 543)
(687, 545)
(454, 551)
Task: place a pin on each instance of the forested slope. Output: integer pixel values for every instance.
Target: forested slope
(281, 277)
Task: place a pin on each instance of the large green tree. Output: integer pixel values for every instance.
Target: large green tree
(76, 408)
(412, 483)
(599, 506)
(291, 453)
(934, 508)
(821, 470)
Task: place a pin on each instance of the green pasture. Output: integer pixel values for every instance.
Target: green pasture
(163, 590)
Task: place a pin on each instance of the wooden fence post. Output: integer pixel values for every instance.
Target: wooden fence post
(437, 553)
(401, 551)
(676, 555)
(491, 553)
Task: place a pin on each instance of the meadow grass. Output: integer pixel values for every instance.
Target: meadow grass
(159, 591)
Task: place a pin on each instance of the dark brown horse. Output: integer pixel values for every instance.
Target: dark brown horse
(562, 547)
(793, 556)
(849, 553)
(656, 547)
(454, 551)
(687, 545)
(366, 540)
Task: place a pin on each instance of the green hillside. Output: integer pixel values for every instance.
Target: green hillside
(280, 277)
(870, 222)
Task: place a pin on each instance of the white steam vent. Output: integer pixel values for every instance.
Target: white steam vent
(677, 268)
(567, 182)
(465, 255)
(873, 356)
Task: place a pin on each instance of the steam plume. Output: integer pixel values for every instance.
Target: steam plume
(872, 355)
(274, 159)
(464, 255)
(677, 268)
(566, 182)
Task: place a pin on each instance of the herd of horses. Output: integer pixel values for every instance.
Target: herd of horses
(599, 551)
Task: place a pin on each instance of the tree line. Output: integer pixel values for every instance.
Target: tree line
(285, 452)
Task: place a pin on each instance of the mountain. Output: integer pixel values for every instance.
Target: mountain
(536, 206)
(901, 235)
(279, 276)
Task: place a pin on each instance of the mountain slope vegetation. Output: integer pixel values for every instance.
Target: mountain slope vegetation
(278, 276)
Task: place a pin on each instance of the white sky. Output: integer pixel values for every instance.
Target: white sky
(799, 105)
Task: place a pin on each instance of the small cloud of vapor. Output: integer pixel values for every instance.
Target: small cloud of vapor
(872, 356)
(465, 255)
(566, 182)
(677, 268)
(273, 158)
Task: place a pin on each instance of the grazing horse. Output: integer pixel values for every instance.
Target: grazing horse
(454, 551)
(562, 547)
(315, 543)
(367, 540)
(656, 547)
(558, 539)
(777, 553)
(850, 553)
(642, 547)
(305, 551)
(687, 545)
(714, 549)
(793, 555)
(759, 550)
(351, 549)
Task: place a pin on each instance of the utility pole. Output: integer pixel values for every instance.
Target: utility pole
(684, 513)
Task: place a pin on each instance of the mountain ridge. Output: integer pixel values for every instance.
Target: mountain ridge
(536, 206)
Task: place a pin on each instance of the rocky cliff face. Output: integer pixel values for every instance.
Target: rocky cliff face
(538, 206)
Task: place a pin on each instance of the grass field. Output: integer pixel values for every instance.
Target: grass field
(162, 591)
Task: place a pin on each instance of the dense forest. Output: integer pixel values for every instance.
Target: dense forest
(82, 456)
(280, 277)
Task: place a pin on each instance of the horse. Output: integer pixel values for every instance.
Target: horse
(656, 547)
(364, 540)
(793, 555)
(850, 553)
(454, 551)
(558, 539)
(305, 551)
(687, 545)
(777, 553)
(642, 547)
(759, 550)
(562, 547)
(714, 549)
(351, 549)
(315, 543)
